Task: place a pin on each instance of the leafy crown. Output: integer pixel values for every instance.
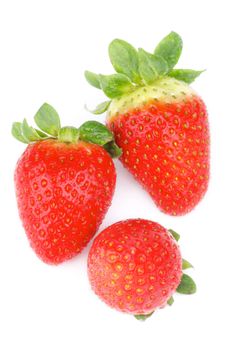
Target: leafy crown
(135, 68)
(48, 122)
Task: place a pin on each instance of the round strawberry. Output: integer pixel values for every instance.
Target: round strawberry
(159, 122)
(135, 266)
(64, 183)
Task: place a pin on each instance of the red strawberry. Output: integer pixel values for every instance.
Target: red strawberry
(135, 266)
(159, 122)
(64, 185)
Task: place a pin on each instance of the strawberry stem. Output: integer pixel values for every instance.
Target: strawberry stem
(68, 134)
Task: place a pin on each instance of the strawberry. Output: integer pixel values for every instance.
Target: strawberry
(135, 266)
(64, 181)
(159, 122)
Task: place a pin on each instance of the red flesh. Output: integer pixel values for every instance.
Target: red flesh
(166, 148)
(135, 266)
(63, 193)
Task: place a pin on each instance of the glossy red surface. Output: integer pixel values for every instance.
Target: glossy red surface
(135, 266)
(166, 148)
(63, 193)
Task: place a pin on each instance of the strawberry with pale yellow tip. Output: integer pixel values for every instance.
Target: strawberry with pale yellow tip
(159, 122)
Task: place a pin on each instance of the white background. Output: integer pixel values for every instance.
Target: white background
(45, 46)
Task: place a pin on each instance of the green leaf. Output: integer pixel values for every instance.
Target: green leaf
(175, 235)
(186, 75)
(93, 79)
(47, 119)
(186, 264)
(25, 133)
(170, 49)
(187, 285)
(124, 59)
(143, 317)
(17, 132)
(170, 301)
(151, 67)
(101, 108)
(95, 132)
(113, 149)
(41, 134)
(115, 85)
(29, 133)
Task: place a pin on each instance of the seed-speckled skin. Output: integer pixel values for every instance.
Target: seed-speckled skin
(135, 266)
(63, 193)
(166, 148)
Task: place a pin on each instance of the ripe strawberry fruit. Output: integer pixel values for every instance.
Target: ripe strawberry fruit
(64, 181)
(159, 122)
(135, 266)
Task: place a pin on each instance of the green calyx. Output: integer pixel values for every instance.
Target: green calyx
(48, 121)
(170, 301)
(175, 234)
(138, 68)
(143, 317)
(187, 285)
